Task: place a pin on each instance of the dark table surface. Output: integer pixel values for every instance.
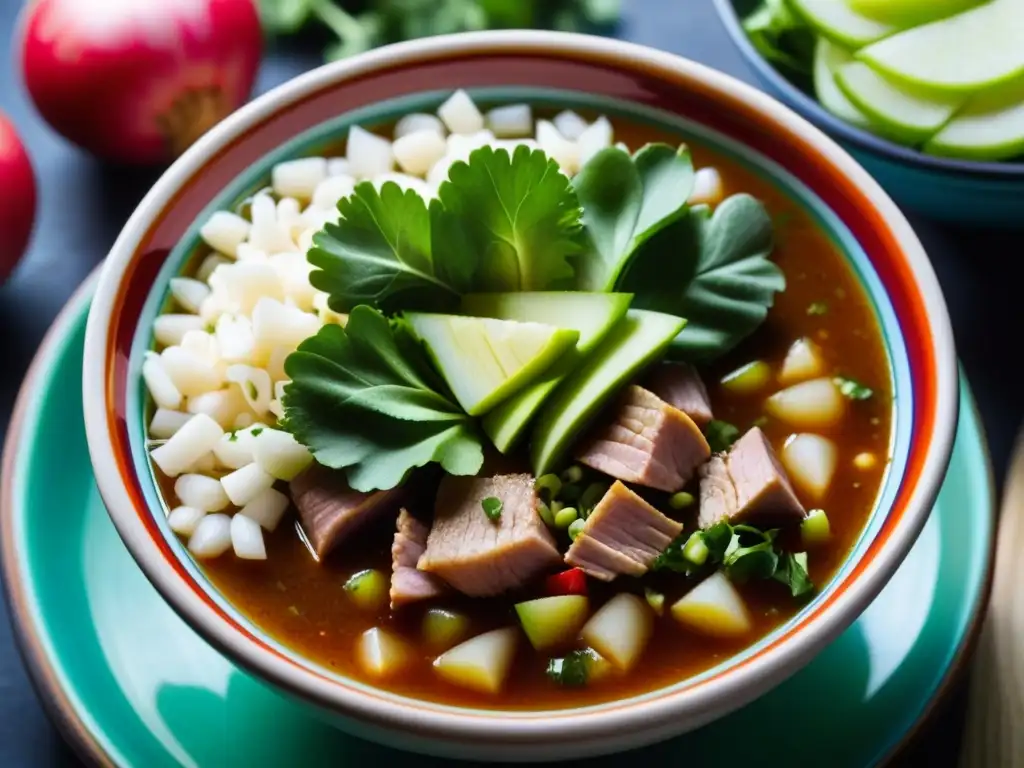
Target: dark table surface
(83, 205)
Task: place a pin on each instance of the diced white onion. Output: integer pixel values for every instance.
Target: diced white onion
(813, 404)
(255, 385)
(183, 520)
(249, 252)
(201, 344)
(481, 663)
(596, 137)
(244, 420)
(245, 484)
(713, 607)
(557, 147)
(224, 230)
(382, 654)
(214, 305)
(293, 272)
(511, 121)
(201, 492)
(189, 293)
(204, 465)
(438, 173)
(419, 121)
(169, 329)
(246, 282)
(235, 338)
(803, 361)
(275, 364)
(338, 166)
(159, 383)
(191, 374)
(277, 325)
(298, 178)
(289, 218)
(417, 152)
(267, 234)
(197, 437)
(267, 508)
(620, 630)
(166, 422)
(461, 146)
(280, 454)
(222, 405)
(369, 155)
(569, 124)
(235, 450)
(329, 191)
(708, 188)
(811, 462)
(247, 538)
(212, 537)
(209, 264)
(460, 114)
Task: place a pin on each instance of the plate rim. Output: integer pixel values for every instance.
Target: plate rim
(87, 746)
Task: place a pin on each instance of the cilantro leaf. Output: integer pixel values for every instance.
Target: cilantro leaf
(626, 200)
(792, 572)
(520, 215)
(382, 253)
(721, 435)
(492, 507)
(712, 269)
(572, 670)
(361, 399)
(853, 389)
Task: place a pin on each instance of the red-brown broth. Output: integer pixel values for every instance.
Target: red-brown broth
(302, 603)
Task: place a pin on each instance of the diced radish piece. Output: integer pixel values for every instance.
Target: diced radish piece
(552, 621)
(803, 361)
(245, 484)
(460, 114)
(209, 264)
(511, 121)
(569, 124)
(570, 582)
(247, 538)
(481, 663)
(298, 178)
(329, 191)
(813, 404)
(224, 230)
(369, 155)
(280, 454)
(235, 450)
(557, 147)
(235, 338)
(596, 137)
(223, 405)
(417, 152)
(189, 293)
(166, 422)
(810, 461)
(183, 520)
(338, 166)
(708, 188)
(267, 508)
(200, 492)
(419, 121)
(191, 374)
(381, 653)
(442, 628)
(212, 537)
(195, 439)
(713, 607)
(161, 388)
(255, 385)
(620, 630)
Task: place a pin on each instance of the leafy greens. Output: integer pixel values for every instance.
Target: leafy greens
(363, 398)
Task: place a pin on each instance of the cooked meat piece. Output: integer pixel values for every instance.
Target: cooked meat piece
(408, 583)
(679, 385)
(623, 536)
(329, 510)
(649, 443)
(747, 483)
(479, 556)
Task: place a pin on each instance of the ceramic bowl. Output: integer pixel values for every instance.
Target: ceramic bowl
(961, 191)
(616, 78)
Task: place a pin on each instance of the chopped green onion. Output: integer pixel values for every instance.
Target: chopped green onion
(492, 508)
(256, 431)
(680, 500)
(655, 599)
(565, 517)
(573, 670)
(749, 378)
(573, 474)
(549, 483)
(545, 514)
(576, 528)
(591, 495)
(695, 550)
(815, 530)
(853, 389)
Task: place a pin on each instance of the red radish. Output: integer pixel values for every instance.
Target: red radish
(570, 582)
(17, 197)
(137, 81)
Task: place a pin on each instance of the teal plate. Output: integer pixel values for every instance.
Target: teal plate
(129, 683)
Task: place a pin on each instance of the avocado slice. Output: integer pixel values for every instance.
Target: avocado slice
(638, 339)
(485, 360)
(592, 314)
(551, 621)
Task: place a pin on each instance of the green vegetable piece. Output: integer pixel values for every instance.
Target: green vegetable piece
(572, 670)
(443, 629)
(592, 496)
(815, 529)
(751, 563)
(566, 517)
(781, 36)
(485, 360)
(672, 558)
(576, 528)
(639, 338)
(853, 389)
(626, 200)
(712, 269)
(695, 551)
(363, 398)
(748, 379)
(520, 216)
(592, 314)
(656, 600)
(989, 128)
(681, 500)
(552, 621)
(717, 539)
(840, 23)
(828, 58)
(548, 484)
(492, 508)
(792, 571)
(910, 13)
(546, 514)
(285, 17)
(573, 474)
(721, 435)
(369, 590)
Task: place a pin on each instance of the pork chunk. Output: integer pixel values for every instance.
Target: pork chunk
(623, 536)
(648, 442)
(408, 583)
(329, 510)
(479, 556)
(679, 385)
(747, 484)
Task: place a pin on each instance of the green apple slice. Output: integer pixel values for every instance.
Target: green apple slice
(828, 58)
(902, 114)
(977, 49)
(837, 21)
(910, 13)
(485, 360)
(990, 127)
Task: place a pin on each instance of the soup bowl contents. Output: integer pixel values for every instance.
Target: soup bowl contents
(491, 406)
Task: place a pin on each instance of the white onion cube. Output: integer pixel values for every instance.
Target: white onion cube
(277, 325)
(714, 608)
(222, 405)
(197, 437)
(620, 630)
(330, 191)
(246, 282)
(247, 538)
(245, 484)
(267, 233)
(460, 114)
(209, 264)
(235, 449)
(810, 460)
(510, 121)
(200, 492)
(293, 272)
(267, 508)
(570, 124)
(419, 121)
(708, 188)
(596, 137)
(159, 383)
(191, 374)
(298, 178)
(814, 404)
(338, 166)
(189, 293)
(557, 147)
(235, 338)
(803, 361)
(417, 152)
(166, 422)
(368, 154)
(382, 654)
(255, 384)
(211, 538)
(280, 454)
(183, 520)
(224, 230)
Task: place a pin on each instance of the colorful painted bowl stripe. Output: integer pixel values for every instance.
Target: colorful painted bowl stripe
(614, 77)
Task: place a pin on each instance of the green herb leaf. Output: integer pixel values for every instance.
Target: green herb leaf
(817, 308)
(853, 389)
(492, 508)
(751, 563)
(285, 17)
(626, 200)
(792, 572)
(362, 399)
(256, 431)
(520, 216)
(712, 269)
(233, 436)
(717, 539)
(781, 36)
(721, 435)
(672, 558)
(382, 253)
(572, 670)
